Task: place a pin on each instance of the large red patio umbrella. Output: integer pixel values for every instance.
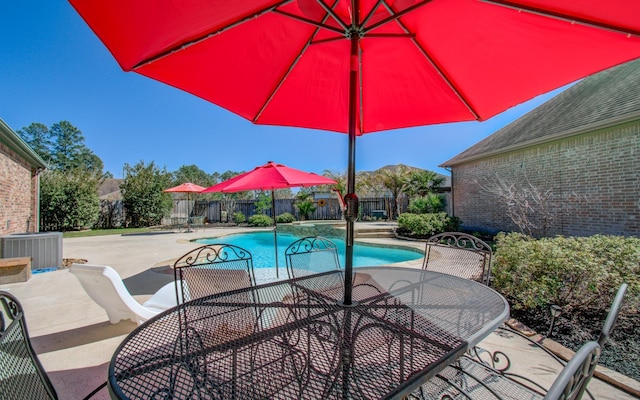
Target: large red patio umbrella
(270, 176)
(187, 188)
(361, 66)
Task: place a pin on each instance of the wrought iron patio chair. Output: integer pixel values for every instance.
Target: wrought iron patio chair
(459, 254)
(212, 269)
(471, 379)
(22, 376)
(500, 361)
(316, 254)
(612, 315)
(311, 255)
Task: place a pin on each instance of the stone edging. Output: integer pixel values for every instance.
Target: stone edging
(605, 374)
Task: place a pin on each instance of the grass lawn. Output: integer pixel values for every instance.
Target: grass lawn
(101, 232)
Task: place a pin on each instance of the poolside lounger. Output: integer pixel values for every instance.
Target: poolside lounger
(104, 285)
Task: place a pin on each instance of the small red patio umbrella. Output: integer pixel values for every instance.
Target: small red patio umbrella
(187, 188)
(361, 66)
(270, 176)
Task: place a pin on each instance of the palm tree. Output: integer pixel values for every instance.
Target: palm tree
(394, 180)
(422, 182)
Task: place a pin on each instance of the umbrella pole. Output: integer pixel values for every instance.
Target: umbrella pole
(188, 227)
(351, 199)
(275, 228)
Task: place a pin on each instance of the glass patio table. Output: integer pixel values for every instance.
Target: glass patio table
(293, 339)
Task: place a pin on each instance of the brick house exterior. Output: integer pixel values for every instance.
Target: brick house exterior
(19, 183)
(578, 152)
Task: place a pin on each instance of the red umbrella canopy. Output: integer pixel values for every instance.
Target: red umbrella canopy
(269, 177)
(416, 62)
(187, 187)
(360, 66)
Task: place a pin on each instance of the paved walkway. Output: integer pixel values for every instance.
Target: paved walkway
(75, 341)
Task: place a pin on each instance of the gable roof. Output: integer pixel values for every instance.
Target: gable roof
(605, 99)
(15, 143)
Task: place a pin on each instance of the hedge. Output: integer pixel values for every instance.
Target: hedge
(580, 274)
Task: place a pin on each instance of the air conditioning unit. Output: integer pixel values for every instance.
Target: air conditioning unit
(44, 248)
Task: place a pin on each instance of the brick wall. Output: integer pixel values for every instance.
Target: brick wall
(591, 183)
(18, 193)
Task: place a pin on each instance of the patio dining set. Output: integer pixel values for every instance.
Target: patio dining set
(408, 333)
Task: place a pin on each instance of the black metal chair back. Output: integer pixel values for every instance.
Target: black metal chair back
(21, 373)
(212, 269)
(311, 255)
(459, 254)
(575, 376)
(471, 379)
(612, 316)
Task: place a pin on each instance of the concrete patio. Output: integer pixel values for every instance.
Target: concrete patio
(75, 341)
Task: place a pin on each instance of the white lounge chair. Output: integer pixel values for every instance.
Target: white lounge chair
(104, 285)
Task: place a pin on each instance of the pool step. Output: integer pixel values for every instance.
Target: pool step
(380, 232)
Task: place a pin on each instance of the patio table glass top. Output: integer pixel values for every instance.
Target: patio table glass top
(292, 338)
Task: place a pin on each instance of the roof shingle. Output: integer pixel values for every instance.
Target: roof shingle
(609, 97)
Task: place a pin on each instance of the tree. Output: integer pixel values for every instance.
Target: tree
(422, 186)
(422, 182)
(394, 180)
(69, 193)
(68, 201)
(263, 202)
(532, 209)
(285, 193)
(69, 152)
(38, 137)
(370, 185)
(247, 195)
(338, 177)
(192, 173)
(431, 203)
(145, 202)
(305, 207)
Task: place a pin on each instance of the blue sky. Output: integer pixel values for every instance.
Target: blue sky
(53, 68)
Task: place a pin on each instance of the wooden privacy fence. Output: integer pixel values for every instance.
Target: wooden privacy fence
(112, 212)
(325, 209)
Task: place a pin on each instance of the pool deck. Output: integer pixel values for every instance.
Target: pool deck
(75, 341)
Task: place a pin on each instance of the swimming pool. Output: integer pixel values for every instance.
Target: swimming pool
(260, 244)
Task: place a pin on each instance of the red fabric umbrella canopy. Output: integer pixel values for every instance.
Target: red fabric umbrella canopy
(360, 66)
(418, 62)
(269, 177)
(187, 187)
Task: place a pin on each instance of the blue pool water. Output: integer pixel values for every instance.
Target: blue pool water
(260, 245)
(43, 270)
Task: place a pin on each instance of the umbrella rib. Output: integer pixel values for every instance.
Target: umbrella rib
(205, 36)
(394, 15)
(309, 21)
(293, 64)
(371, 12)
(439, 70)
(329, 11)
(563, 17)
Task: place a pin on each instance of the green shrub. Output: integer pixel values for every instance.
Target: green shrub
(285, 218)
(238, 218)
(260, 220)
(431, 203)
(424, 225)
(580, 274)
(306, 207)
